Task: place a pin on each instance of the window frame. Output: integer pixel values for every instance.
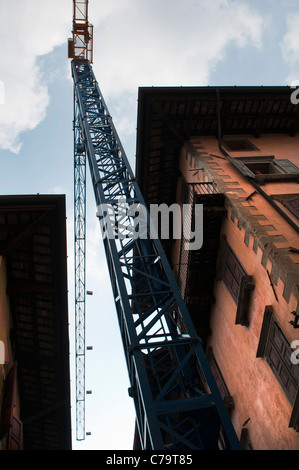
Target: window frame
(244, 282)
(283, 169)
(248, 145)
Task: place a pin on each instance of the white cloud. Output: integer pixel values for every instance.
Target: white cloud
(28, 29)
(290, 47)
(166, 43)
(137, 43)
(170, 43)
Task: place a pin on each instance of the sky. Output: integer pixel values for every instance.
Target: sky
(136, 43)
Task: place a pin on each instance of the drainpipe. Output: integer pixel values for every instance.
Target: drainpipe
(254, 184)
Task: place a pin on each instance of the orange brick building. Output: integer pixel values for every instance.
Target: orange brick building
(236, 151)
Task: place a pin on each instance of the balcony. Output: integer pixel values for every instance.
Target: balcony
(197, 268)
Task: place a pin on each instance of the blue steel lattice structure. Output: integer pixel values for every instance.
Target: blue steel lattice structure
(178, 405)
(80, 270)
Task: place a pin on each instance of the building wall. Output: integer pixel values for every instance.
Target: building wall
(261, 239)
(5, 327)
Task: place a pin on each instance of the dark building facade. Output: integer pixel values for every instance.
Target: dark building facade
(35, 374)
(235, 151)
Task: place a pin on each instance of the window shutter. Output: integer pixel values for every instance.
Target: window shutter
(243, 168)
(287, 166)
(275, 348)
(239, 284)
(279, 358)
(233, 272)
(15, 434)
(224, 392)
(246, 288)
(266, 327)
(292, 205)
(244, 439)
(294, 421)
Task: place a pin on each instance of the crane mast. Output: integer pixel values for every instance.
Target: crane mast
(177, 403)
(80, 46)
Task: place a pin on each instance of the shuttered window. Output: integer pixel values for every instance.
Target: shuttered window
(278, 355)
(275, 348)
(263, 169)
(292, 205)
(232, 273)
(15, 434)
(244, 440)
(239, 284)
(224, 392)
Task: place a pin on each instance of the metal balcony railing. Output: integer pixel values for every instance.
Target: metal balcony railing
(192, 190)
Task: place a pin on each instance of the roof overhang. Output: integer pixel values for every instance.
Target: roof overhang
(170, 116)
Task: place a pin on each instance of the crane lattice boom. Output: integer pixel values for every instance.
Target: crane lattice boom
(178, 405)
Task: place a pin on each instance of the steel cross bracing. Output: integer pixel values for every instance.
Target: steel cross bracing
(177, 403)
(80, 290)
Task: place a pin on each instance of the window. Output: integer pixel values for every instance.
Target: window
(239, 284)
(244, 440)
(275, 348)
(239, 145)
(290, 201)
(246, 288)
(262, 167)
(292, 205)
(233, 272)
(278, 354)
(224, 392)
(267, 168)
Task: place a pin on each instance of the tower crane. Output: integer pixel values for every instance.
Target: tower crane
(177, 402)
